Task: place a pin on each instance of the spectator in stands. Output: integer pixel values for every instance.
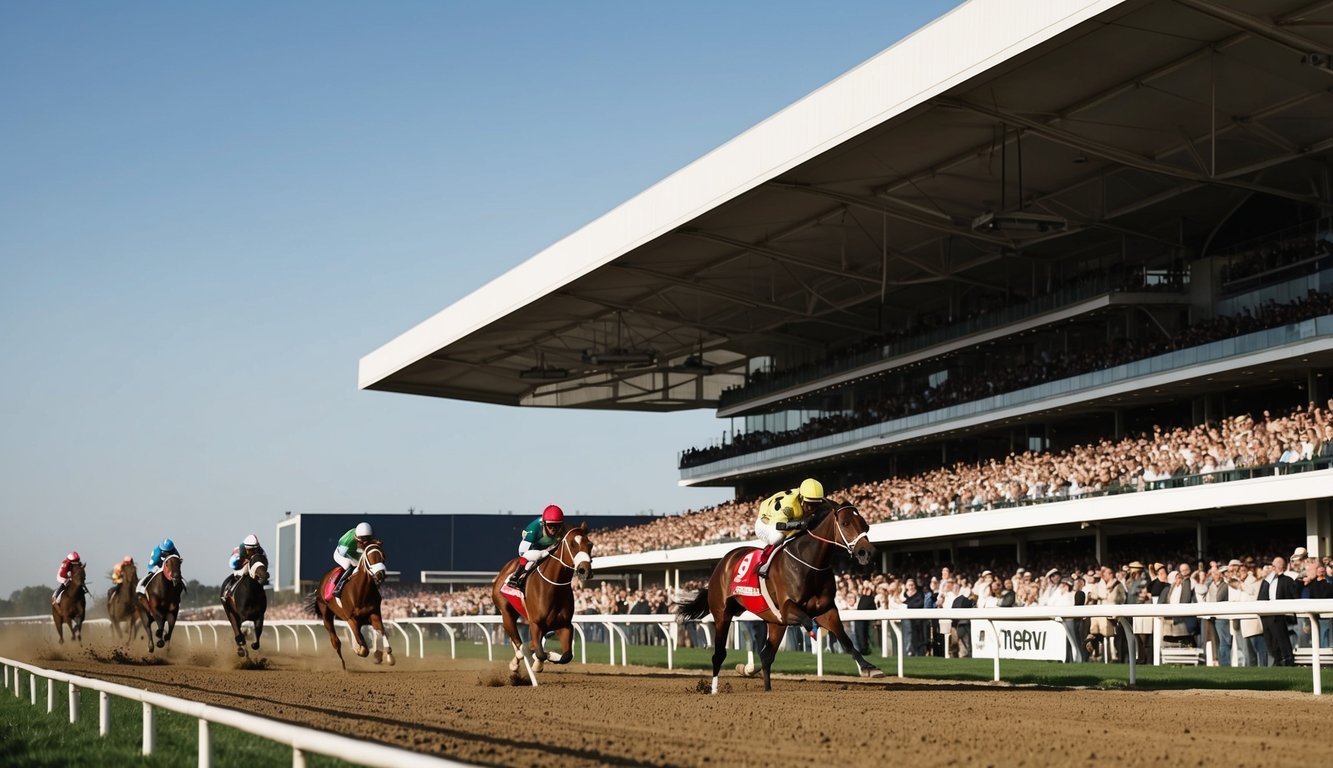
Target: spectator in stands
(1277, 585)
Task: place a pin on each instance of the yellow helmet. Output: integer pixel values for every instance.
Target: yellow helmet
(811, 490)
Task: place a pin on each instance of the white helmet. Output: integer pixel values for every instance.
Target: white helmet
(251, 541)
(364, 531)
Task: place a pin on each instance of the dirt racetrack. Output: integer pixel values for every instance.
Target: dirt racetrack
(599, 715)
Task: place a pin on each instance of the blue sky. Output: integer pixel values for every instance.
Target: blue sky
(210, 211)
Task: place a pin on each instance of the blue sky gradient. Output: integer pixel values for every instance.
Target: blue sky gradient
(210, 211)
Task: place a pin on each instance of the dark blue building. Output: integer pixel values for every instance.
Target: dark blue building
(438, 549)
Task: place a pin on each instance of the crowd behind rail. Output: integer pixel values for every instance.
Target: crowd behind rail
(994, 380)
(1170, 579)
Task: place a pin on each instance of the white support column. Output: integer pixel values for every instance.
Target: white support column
(298, 758)
(50, 695)
(205, 745)
(73, 703)
(103, 713)
(1317, 526)
(147, 728)
(32, 689)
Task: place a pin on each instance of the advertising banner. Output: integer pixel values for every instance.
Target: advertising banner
(1044, 639)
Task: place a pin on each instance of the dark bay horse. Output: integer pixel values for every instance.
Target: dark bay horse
(800, 585)
(548, 598)
(161, 601)
(358, 605)
(247, 601)
(120, 602)
(71, 606)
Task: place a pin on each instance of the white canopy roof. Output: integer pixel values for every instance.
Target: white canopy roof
(1135, 121)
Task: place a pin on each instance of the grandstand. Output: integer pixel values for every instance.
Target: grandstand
(1038, 227)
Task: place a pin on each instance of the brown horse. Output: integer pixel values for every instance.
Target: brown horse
(120, 603)
(247, 601)
(161, 601)
(548, 598)
(358, 604)
(69, 609)
(799, 585)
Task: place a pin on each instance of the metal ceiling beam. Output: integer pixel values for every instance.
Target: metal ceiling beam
(1116, 154)
(776, 255)
(880, 206)
(1256, 26)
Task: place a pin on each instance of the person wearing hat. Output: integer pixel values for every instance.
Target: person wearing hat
(1107, 590)
(1050, 587)
(1296, 570)
(1218, 628)
(1135, 580)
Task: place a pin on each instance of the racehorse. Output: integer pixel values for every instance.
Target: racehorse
(120, 603)
(548, 598)
(358, 604)
(799, 588)
(247, 601)
(70, 608)
(161, 601)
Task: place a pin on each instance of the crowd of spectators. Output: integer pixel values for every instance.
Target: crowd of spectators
(966, 386)
(985, 311)
(1164, 457)
(1273, 256)
(1156, 578)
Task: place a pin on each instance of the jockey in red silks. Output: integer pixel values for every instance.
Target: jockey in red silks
(62, 575)
(538, 539)
(783, 513)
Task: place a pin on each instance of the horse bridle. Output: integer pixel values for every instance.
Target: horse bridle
(848, 545)
(363, 563)
(564, 546)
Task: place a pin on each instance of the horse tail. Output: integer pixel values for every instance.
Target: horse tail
(696, 608)
(311, 601)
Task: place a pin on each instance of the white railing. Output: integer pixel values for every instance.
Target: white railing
(890, 624)
(301, 740)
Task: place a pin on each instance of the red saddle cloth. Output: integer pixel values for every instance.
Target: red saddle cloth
(515, 599)
(745, 582)
(328, 587)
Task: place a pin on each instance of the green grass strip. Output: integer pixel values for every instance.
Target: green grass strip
(1016, 671)
(31, 737)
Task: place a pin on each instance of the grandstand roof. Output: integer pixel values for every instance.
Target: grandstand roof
(1150, 120)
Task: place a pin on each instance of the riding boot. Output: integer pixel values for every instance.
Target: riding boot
(342, 581)
(55, 598)
(517, 578)
(763, 560)
(227, 585)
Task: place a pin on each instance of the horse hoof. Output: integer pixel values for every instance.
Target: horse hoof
(240, 650)
(363, 652)
(537, 665)
(513, 664)
(161, 643)
(872, 672)
(388, 659)
(744, 670)
(379, 657)
(254, 646)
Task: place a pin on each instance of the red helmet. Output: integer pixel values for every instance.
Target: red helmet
(73, 557)
(553, 514)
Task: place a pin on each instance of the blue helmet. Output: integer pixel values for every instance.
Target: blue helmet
(168, 544)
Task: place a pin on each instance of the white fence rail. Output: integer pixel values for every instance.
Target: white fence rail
(301, 740)
(890, 622)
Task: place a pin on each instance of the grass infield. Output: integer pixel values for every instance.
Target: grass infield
(30, 736)
(1015, 671)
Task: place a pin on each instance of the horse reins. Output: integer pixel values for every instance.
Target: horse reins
(564, 545)
(849, 545)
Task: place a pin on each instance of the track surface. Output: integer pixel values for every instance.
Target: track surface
(599, 715)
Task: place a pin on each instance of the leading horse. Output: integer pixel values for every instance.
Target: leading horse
(247, 601)
(799, 587)
(358, 604)
(120, 602)
(548, 598)
(161, 601)
(70, 608)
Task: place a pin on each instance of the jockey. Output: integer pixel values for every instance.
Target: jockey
(160, 553)
(783, 513)
(348, 551)
(62, 575)
(240, 558)
(118, 576)
(539, 538)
